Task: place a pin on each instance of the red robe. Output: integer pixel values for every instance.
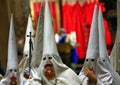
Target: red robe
(74, 19)
(64, 16)
(54, 16)
(69, 17)
(81, 31)
(80, 35)
(36, 7)
(71, 21)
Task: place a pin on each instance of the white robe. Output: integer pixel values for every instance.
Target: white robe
(22, 80)
(107, 73)
(33, 81)
(63, 73)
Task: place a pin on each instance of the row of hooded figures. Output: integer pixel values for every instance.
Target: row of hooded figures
(45, 66)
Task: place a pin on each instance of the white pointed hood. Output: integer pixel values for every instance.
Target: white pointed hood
(12, 49)
(51, 57)
(12, 72)
(93, 44)
(38, 48)
(105, 70)
(28, 30)
(93, 48)
(49, 40)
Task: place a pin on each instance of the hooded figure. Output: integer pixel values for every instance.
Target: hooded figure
(52, 70)
(25, 61)
(92, 50)
(106, 74)
(12, 73)
(38, 49)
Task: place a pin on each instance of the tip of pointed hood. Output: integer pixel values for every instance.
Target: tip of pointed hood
(49, 46)
(93, 44)
(12, 48)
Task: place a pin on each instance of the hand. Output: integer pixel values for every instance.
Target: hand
(91, 75)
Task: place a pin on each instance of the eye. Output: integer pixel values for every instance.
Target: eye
(86, 59)
(15, 70)
(103, 60)
(10, 70)
(44, 58)
(26, 55)
(49, 57)
(92, 59)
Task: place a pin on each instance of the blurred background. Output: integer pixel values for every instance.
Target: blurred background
(71, 21)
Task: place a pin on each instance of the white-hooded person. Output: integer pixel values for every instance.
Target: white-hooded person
(38, 49)
(106, 74)
(24, 63)
(88, 72)
(51, 69)
(12, 73)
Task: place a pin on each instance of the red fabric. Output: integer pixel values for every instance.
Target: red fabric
(69, 17)
(71, 22)
(64, 17)
(36, 7)
(87, 16)
(80, 35)
(81, 49)
(108, 36)
(53, 13)
(74, 19)
(107, 33)
(89, 11)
